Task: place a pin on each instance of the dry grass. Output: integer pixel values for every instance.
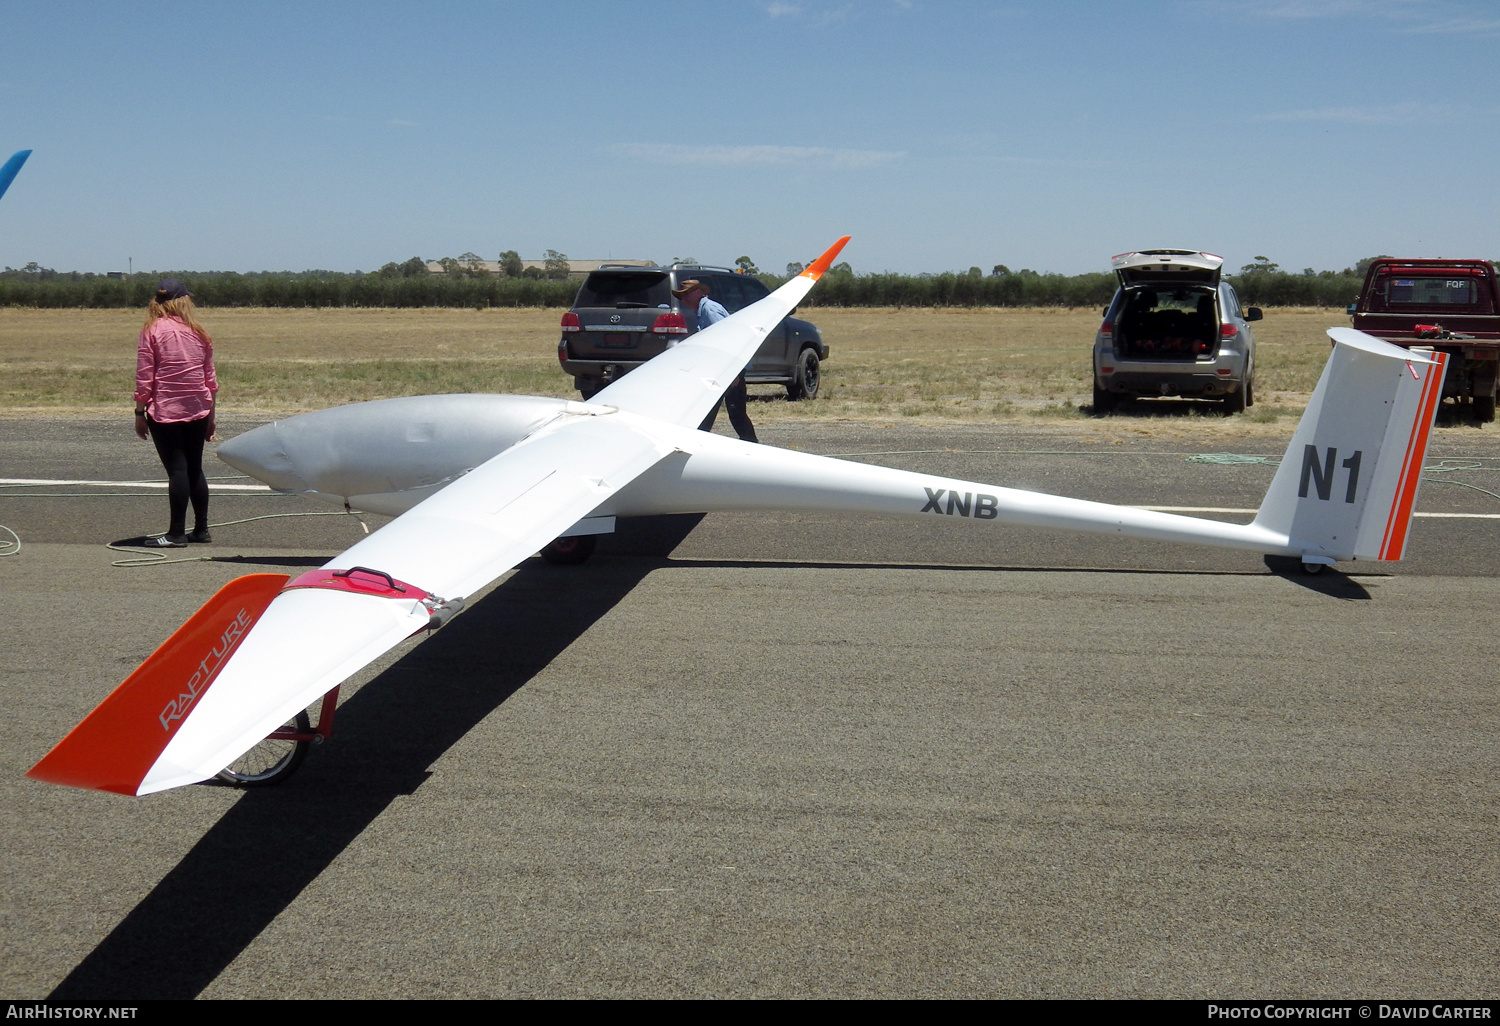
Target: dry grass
(921, 366)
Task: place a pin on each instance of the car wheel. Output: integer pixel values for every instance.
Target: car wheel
(589, 387)
(1484, 409)
(1250, 391)
(807, 377)
(1235, 402)
(569, 551)
(1104, 402)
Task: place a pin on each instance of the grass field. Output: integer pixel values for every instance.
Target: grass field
(925, 366)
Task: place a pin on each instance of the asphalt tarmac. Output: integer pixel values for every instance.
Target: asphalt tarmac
(791, 755)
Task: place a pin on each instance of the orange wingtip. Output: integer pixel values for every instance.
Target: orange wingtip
(117, 743)
(824, 262)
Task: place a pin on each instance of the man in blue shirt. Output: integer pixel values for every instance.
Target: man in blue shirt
(693, 295)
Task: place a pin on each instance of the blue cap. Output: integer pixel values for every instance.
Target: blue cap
(169, 289)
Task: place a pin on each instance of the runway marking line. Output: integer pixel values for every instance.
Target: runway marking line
(1225, 509)
(19, 481)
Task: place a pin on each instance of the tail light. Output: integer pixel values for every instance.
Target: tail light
(1228, 331)
(570, 322)
(1107, 328)
(670, 324)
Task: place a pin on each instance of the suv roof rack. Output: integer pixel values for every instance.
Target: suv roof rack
(702, 267)
(629, 267)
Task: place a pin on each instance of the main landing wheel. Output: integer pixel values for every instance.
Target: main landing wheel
(271, 761)
(568, 551)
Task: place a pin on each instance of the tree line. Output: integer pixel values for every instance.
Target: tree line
(410, 284)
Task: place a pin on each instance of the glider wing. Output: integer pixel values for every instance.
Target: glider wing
(681, 385)
(181, 719)
(8, 172)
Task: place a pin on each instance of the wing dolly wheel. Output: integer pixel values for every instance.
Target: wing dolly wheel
(274, 759)
(278, 756)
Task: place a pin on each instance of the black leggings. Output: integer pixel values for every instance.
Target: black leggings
(180, 446)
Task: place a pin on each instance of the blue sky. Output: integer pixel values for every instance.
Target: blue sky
(1052, 135)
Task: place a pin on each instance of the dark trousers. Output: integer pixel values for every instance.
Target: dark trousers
(734, 400)
(180, 446)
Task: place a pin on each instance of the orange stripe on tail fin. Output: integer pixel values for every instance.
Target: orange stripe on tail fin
(824, 262)
(117, 743)
(1399, 521)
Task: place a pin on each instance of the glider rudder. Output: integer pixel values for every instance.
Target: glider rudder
(1404, 500)
(117, 744)
(1348, 482)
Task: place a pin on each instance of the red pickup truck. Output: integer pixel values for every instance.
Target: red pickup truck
(1448, 305)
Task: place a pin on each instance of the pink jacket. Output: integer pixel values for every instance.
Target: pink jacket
(174, 373)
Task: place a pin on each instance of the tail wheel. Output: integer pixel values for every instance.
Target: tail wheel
(271, 761)
(1235, 402)
(808, 376)
(569, 551)
(1249, 391)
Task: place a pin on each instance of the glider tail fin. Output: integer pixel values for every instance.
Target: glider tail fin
(117, 743)
(1348, 483)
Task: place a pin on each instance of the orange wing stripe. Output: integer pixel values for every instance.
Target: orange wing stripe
(117, 743)
(824, 262)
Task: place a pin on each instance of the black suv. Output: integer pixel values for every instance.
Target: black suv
(623, 316)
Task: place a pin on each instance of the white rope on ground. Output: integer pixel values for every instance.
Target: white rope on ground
(160, 557)
(1466, 463)
(1234, 459)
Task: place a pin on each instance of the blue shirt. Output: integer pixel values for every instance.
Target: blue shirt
(709, 312)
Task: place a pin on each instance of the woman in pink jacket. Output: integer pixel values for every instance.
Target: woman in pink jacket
(175, 387)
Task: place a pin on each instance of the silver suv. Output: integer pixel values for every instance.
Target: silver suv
(1174, 328)
(623, 316)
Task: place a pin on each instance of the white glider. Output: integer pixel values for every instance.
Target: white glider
(478, 483)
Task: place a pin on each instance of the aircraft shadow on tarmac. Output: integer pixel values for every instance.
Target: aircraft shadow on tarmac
(1330, 582)
(273, 843)
(265, 850)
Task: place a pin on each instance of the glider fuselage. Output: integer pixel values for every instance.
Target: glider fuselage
(387, 456)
